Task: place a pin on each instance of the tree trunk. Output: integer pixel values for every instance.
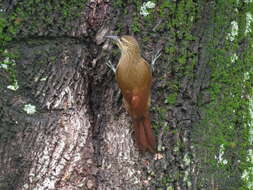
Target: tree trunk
(80, 136)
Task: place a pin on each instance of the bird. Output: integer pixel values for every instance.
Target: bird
(134, 78)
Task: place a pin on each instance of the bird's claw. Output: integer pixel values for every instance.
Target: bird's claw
(154, 59)
(111, 66)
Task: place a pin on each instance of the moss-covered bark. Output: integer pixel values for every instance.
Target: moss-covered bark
(53, 55)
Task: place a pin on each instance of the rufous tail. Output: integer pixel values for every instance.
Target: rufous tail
(144, 134)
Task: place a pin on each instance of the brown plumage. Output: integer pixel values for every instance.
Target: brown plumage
(134, 78)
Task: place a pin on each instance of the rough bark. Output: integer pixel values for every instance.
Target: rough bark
(81, 137)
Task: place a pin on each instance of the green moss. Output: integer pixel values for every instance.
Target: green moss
(226, 120)
(135, 26)
(35, 16)
(171, 98)
(7, 59)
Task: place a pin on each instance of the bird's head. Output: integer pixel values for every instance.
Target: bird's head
(127, 44)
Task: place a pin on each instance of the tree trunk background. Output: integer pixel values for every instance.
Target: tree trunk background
(80, 136)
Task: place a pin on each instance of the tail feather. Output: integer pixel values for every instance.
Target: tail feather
(144, 134)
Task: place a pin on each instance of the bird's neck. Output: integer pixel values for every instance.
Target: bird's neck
(130, 56)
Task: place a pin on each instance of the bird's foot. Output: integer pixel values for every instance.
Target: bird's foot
(111, 66)
(154, 59)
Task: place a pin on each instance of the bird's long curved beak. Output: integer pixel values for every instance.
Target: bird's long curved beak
(114, 38)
